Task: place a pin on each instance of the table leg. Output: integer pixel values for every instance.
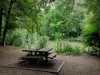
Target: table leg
(31, 53)
(46, 61)
(46, 54)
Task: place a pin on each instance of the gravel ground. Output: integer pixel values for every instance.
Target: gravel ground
(75, 65)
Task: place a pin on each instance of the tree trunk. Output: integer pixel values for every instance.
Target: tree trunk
(7, 21)
(1, 13)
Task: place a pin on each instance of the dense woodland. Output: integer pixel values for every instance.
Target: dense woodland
(69, 26)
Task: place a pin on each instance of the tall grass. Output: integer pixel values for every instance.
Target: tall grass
(64, 47)
(40, 41)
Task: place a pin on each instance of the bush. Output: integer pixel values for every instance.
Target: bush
(94, 51)
(92, 35)
(56, 35)
(17, 37)
(21, 38)
(40, 41)
(63, 47)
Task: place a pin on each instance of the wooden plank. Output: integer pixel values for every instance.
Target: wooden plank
(32, 50)
(31, 57)
(44, 50)
(52, 55)
(61, 66)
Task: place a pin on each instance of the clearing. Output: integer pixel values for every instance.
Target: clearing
(74, 65)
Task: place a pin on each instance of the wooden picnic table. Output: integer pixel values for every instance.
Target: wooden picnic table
(39, 53)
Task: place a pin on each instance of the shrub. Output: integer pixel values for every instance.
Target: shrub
(21, 38)
(17, 37)
(40, 41)
(94, 51)
(92, 35)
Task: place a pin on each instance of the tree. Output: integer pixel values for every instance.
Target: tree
(32, 11)
(7, 20)
(92, 29)
(93, 12)
(1, 16)
(22, 11)
(63, 19)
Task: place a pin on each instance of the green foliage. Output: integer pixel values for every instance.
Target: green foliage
(76, 39)
(94, 51)
(40, 41)
(54, 21)
(32, 20)
(91, 35)
(91, 32)
(56, 25)
(21, 38)
(17, 38)
(63, 47)
(24, 14)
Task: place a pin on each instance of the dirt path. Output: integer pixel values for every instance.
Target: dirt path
(75, 65)
(81, 65)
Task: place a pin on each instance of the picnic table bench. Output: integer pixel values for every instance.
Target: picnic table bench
(39, 53)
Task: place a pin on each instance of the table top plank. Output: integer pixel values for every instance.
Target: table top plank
(44, 50)
(38, 50)
(31, 50)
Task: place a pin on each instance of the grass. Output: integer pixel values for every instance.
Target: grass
(52, 44)
(66, 47)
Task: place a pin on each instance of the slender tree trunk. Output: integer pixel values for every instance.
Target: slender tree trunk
(1, 13)
(7, 21)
